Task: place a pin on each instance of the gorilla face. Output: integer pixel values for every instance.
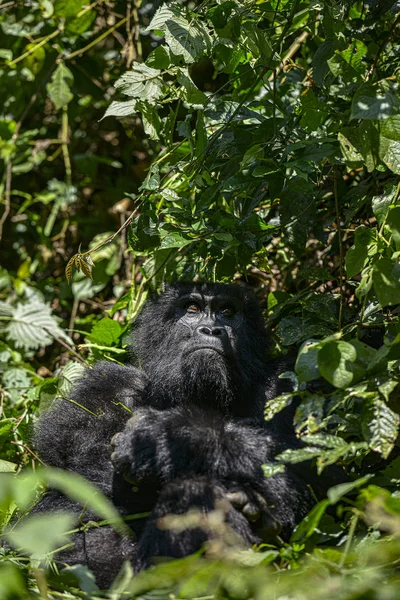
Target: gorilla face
(209, 346)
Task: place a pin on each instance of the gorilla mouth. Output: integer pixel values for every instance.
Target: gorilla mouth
(208, 347)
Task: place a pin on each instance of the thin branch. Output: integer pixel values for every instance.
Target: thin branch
(35, 47)
(7, 197)
(341, 255)
(291, 52)
(96, 41)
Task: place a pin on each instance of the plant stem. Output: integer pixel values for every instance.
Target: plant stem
(341, 256)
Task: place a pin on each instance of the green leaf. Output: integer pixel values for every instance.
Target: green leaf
(386, 280)
(38, 535)
(393, 220)
(374, 102)
(290, 330)
(141, 82)
(381, 203)
(121, 109)
(34, 326)
(187, 39)
(175, 239)
(70, 374)
(87, 494)
(190, 93)
(271, 469)
(16, 382)
(310, 522)
(337, 492)
(106, 332)
(152, 181)
(159, 58)
(307, 361)
(274, 406)
(365, 246)
(7, 466)
(335, 362)
(380, 425)
(389, 143)
(59, 90)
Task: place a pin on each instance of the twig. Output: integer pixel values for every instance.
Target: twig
(349, 540)
(341, 257)
(72, 350)
(381, 47)
(7, 197)
(35, 47)
(65, 141)
(73, 315)
(291, 52)
(96, 41)
(28, 450)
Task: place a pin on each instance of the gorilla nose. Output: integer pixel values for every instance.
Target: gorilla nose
(212, 331)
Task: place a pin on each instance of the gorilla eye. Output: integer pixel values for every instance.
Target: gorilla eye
(192, 307)
(227, 311)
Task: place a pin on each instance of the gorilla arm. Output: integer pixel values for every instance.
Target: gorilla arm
(188, 443)
(75, 435)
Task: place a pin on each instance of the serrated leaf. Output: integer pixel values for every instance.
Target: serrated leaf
(271, 469)
(34, 326)
(380, 425)
(59, 89)
(141, 82)
(105, 332)
(274, 406)
(189, 40)
(121, 109)
(70, 374)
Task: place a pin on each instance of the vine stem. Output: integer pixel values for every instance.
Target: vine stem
(341, 255)
(352, 529)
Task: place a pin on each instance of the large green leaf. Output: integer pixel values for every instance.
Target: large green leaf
(386, 279)
(336, 363)
(365, 246)
(40, 534)
(189, 39)
(141, 82)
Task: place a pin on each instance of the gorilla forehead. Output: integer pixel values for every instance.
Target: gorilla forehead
(167, 301)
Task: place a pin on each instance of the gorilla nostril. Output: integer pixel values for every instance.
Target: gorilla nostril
(218, 331)
(204, 330)
(213, 331)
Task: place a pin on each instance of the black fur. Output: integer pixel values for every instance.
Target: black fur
(186, 428)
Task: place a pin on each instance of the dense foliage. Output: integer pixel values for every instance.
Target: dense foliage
(222, 139)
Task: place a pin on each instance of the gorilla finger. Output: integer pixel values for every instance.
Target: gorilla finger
(251, 512)
(237, 499)
(269, 527)
(114, 439)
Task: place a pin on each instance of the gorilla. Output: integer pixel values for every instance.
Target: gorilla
(182, 429)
